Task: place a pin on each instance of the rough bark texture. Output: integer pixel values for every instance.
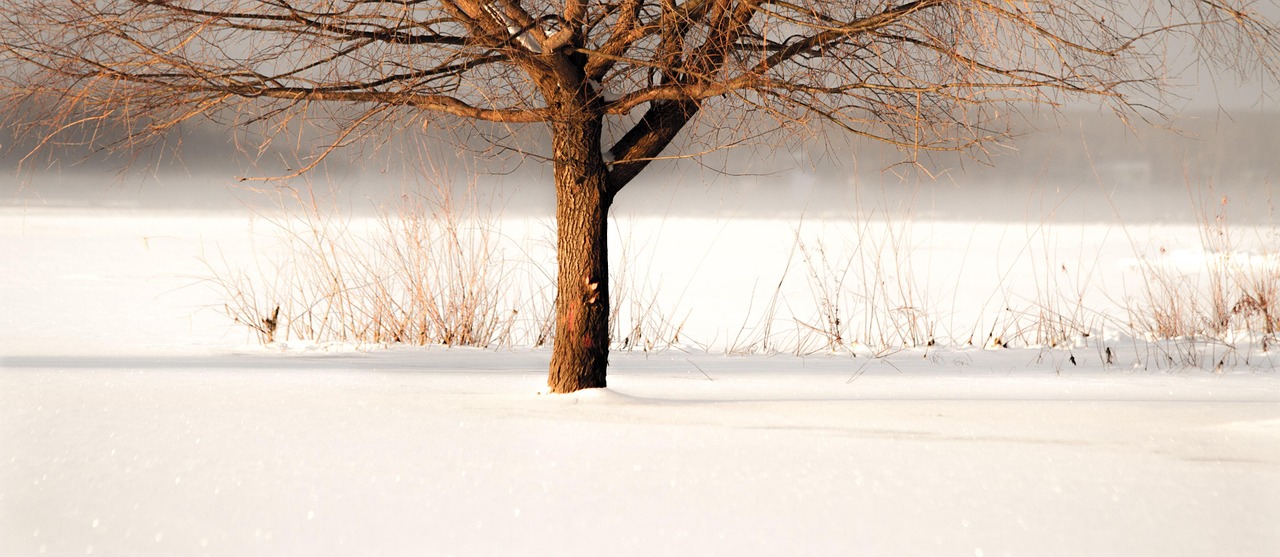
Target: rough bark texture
(580, 355)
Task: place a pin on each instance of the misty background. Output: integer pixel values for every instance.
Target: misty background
(1072, 165)
(1215, 137)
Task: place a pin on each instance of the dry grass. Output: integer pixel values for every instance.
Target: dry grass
(437, 270)
(1055, 315)
(870, 297)
(641, 325)
(1215, 314)
(761, 337)
(429, 270)
(1234, 295)
(863, 295)
(637, 318)
(426, 271)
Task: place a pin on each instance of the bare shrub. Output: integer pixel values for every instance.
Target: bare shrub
(1055, 315)
(863, 294)
(430, 269)
(637, 318)
(760, 338)
(426, 271)
(826, 280)
(1226, 305)
(889, 307)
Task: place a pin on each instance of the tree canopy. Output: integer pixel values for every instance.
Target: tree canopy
(924, 75)
(615, 82)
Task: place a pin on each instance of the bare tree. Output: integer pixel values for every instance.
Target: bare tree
(615, 81)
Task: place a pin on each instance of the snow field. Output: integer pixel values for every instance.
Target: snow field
(136, 419)
(453, 452)
(735, 286)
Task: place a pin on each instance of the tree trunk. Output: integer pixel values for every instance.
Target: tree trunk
(580, 353)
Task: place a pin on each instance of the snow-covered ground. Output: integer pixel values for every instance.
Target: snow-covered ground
(136, 419)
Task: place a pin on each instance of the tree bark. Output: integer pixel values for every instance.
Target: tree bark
(580, 353)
